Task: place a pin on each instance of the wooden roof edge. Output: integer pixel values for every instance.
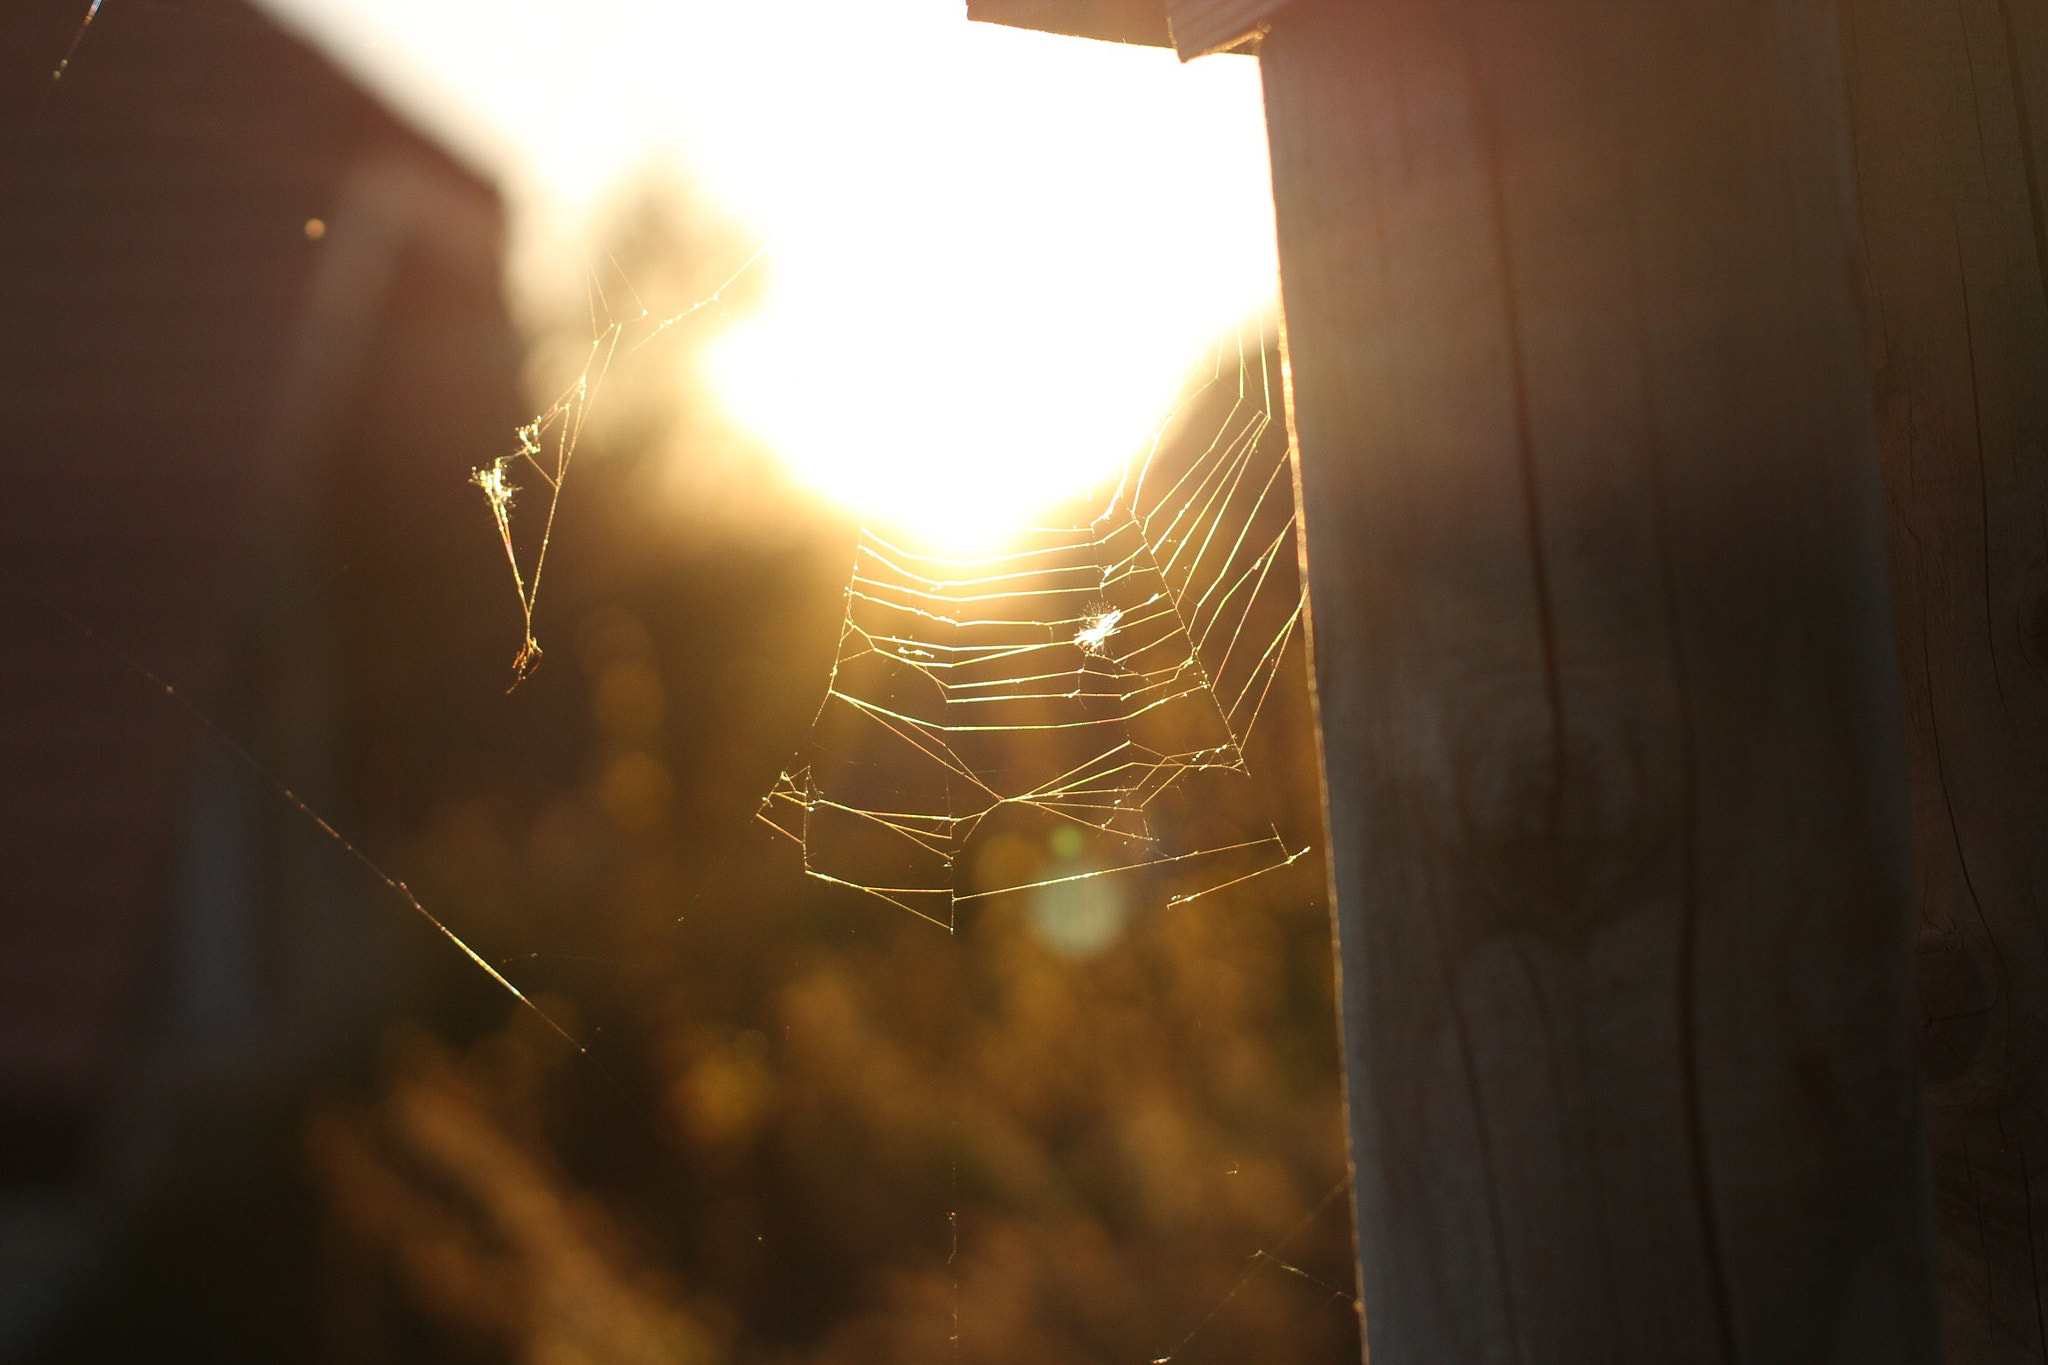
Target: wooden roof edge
(1194, 28)
(1115, 21)
(1204, 26)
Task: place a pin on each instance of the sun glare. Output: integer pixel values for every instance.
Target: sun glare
(994, 254)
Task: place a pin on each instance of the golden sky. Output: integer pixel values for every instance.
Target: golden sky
(992, 254)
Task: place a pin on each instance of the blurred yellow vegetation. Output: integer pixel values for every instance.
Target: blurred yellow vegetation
(1115, 1142)
(486, 1234)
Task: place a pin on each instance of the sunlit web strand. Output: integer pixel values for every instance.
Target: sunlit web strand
(546, 445)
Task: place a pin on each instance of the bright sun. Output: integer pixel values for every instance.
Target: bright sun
(994, 254)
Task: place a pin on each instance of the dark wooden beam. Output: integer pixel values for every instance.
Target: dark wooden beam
(1204, 26)
(1194, 27)
(1950, 115)
(1606, 680)
(1115, 21)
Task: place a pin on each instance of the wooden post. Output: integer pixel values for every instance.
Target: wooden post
(1950, 115)
(1606, 681)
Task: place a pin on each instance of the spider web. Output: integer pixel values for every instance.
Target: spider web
(547, 445)
(1068, 718)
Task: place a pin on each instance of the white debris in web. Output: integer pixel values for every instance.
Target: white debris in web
(1096, 629)
(1071, 713)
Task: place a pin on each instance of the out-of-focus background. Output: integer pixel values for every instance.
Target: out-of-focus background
(274, 280)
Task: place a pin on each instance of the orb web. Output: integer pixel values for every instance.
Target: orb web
(1071, 712)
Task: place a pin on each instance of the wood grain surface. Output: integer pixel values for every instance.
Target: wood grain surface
(1606, 679)
(1950, 115)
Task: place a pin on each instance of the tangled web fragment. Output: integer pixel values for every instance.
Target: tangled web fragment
(548, 443)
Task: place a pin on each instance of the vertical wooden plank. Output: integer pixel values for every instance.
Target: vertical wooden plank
(1605, 677)
(1950, 115)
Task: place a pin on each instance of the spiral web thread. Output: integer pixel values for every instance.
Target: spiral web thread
(1083, 698)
